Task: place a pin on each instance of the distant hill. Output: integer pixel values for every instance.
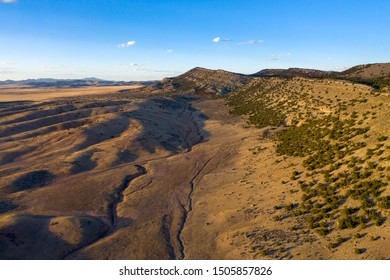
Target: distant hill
(294, 72)
(376, 75)
(201, 81)
(364, 72)
(368, 71)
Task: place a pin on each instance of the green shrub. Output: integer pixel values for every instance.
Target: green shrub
(358, 251)
(289, 207)
(384, 202)
(322, 231)
(340, 240)
(348, 222)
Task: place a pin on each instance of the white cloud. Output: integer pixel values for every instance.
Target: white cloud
(248, 42)
(8, 1)
(128, 44)
(169, 51)
(219, 39)
(251, 42)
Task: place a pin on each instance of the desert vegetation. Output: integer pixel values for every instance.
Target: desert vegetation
(340, 137)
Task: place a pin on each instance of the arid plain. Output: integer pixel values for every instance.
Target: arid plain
(148, 174)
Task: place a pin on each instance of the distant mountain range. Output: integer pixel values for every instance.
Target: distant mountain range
(49, 82)
(201, 81)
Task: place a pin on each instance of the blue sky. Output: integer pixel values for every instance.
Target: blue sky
(147, 40)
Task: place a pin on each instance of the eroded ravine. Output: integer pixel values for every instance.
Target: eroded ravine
(188, 207)
(118, 198)
(119, 195)
(152, 209)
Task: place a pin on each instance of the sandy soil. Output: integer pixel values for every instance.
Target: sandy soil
(124, 177)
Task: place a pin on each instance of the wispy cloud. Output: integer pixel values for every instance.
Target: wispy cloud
(250, 42)
(276, 57)
(53, 67)
(219, 39)
(136, 67)
(169, 51)
(128, 44)
(141, 68)
(7, 63)
(8, 1)
(7, 70)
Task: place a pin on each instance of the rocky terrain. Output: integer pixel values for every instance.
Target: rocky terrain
(201, 81)
(294, 72)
